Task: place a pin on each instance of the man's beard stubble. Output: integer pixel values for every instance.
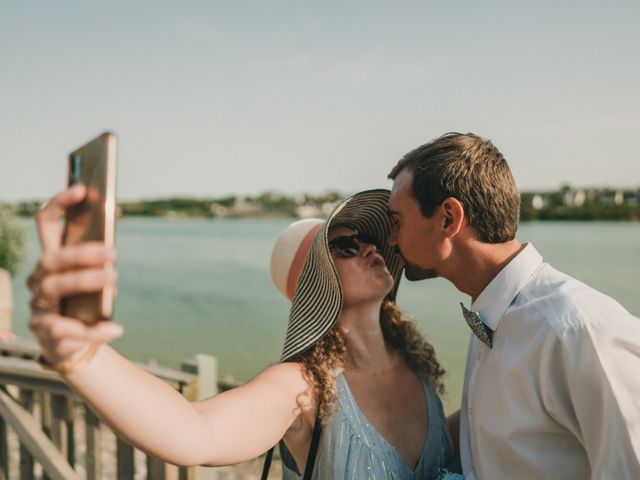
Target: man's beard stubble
(413, 273)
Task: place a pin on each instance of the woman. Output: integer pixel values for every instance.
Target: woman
(350, 363)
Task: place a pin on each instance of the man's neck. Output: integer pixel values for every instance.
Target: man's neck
(477, 263)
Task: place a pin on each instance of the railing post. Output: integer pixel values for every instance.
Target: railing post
(45, 418)
(93, 438)
(205, 367)
(157, 469)
(26, 459)
(32, 439)
(47, 414)
(124, 456)
(62, 426)
(4, 450)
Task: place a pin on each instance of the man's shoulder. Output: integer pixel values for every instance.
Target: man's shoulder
(565, 303)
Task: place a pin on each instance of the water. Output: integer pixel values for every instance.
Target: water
(202, 286)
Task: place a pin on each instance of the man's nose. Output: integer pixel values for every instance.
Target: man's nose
(393, 237)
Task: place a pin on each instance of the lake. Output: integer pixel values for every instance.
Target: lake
(191, 286)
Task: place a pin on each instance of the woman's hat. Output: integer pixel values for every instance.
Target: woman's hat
(303, 270)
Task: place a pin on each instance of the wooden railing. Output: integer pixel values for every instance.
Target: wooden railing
(48, 420)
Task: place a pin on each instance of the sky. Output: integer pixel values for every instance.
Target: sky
(216, 98)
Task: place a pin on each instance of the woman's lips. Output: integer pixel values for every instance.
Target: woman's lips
(377, 261)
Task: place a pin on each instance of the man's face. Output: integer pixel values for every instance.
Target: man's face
(414, 235)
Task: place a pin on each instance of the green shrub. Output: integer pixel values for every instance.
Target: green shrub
(12, 241)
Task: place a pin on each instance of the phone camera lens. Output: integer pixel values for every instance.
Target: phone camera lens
(75, 168)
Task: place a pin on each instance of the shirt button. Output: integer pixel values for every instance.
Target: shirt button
(478, 356)
(470, 411)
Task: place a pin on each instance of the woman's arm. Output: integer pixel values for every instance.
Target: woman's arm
(228, 428)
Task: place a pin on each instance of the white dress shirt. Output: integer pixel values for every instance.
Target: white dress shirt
(558, 395)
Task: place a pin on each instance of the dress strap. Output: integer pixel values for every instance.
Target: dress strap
(313, 449)
(267, 464)
(311, 457)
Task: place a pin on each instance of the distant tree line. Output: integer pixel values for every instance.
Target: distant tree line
(12, 241)
(581, 204)
(567, 203)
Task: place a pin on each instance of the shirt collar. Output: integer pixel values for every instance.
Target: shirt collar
(494, 300)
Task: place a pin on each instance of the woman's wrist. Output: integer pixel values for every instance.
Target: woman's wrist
(72, 363)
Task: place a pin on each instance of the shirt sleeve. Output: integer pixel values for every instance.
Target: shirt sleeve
(595, 392)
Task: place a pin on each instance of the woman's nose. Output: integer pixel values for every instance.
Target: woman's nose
(367, 248)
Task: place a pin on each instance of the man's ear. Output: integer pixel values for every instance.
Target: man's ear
(452, 213)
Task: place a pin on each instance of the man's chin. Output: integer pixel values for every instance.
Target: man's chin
(413, 273)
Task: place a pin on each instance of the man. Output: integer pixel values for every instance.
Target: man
(552, 381)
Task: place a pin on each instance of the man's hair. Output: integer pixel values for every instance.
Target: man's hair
(472, 170)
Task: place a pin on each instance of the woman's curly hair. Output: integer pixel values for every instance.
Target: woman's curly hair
(321, 361)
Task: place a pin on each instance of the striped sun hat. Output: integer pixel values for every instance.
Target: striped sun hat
(303, 270)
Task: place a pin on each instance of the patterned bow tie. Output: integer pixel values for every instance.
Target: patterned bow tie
(484, 333)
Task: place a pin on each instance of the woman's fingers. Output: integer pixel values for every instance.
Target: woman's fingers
(75, 282)
(82, 255)
(52, 327)
(65, 271)
(49, 216)
(70, 270)
(62, 337)
(64, 349)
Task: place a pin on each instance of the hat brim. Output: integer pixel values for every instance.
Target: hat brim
(318, 299)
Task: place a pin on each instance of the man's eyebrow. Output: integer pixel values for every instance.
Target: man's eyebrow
(392, 212)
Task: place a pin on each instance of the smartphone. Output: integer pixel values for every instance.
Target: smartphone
(92, 220)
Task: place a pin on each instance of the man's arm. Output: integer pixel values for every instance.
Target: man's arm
(599, 365)
(453, 421)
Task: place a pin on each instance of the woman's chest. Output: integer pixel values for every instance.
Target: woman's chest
(397, 410)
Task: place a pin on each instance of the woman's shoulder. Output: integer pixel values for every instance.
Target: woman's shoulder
(290, 379)
(290, 375)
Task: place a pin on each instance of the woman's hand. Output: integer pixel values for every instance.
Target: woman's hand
(229, 428)
(62, 271)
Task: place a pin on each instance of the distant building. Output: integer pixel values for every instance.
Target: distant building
(574, 198)
(218, 210)
(537, 202)
(241, 208)
(611, 197)
(244, 208)
(618, 198)
(632, 198)
(327, 207)
(308, 211)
